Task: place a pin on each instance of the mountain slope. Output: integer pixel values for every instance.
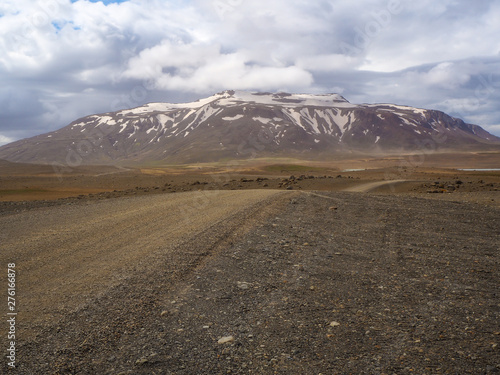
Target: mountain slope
(243, 125)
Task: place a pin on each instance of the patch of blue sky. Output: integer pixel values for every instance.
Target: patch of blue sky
(58, 25)
(11, 13)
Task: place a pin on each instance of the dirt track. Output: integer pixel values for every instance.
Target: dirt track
(112, 240)
(303, 283)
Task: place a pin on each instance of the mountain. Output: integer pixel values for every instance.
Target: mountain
(238, 124)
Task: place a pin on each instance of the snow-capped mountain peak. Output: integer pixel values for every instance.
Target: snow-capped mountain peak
(232, 98)
(240, 124)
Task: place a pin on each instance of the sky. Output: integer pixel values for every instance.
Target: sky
(64, 59)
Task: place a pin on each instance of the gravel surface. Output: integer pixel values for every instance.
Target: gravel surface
(257, 282)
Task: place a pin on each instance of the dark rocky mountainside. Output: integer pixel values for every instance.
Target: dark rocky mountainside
(238, 124)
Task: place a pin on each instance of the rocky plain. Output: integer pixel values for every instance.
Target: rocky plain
(369, 267)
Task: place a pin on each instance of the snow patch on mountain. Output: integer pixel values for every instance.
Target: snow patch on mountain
(343, 120)
(263, 120)
(295, 117)
(234, 118)
(124, 126)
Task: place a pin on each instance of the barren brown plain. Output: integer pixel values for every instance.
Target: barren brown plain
(364, 266)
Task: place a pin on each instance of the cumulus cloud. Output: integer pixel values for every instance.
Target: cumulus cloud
(62, 59)
(446, 75)
(199, 68)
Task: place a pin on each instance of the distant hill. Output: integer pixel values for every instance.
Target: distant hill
(242, 125)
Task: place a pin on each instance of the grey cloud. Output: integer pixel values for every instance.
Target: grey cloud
(17, 102)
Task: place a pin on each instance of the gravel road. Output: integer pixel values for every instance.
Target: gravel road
(69, 254)
(257, 282)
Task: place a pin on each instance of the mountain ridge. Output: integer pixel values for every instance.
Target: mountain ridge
(240, 124)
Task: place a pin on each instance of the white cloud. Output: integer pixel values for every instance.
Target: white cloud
(4, 140)
(201, 68)
(445, 75)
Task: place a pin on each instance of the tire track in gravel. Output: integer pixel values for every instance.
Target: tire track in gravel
(67, 255)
